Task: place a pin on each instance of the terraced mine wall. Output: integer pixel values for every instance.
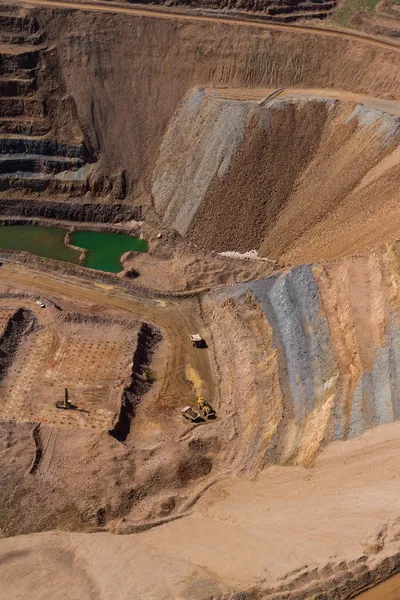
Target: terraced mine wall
(384, 21)
(64, 139)
(140, 69)
(280, 11)
(323, 345)
(43, 151)
(68, 211)
(282, 178)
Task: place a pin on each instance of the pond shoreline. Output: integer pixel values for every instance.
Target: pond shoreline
(67, 242)
(97, 249)
(132, 228)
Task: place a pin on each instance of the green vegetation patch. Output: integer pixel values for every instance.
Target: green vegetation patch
(349, 7)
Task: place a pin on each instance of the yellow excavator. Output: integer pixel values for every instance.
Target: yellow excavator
(205, 408)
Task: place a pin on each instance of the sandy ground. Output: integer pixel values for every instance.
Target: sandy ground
(388, 590)
(277, 532)
(258, 502)
(226, 495)
(179, 267)
(90, 357)
(158, 460)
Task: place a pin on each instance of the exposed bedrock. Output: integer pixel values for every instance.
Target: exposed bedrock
(18, 63)
(15, 20)
(17, 87)
(281, 178)
(41, 146)
(69, 211)
(43, 151)
(283, 11)
(122, 117)
(320, 345)
(140, 69)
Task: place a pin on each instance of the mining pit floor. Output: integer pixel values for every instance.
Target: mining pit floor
(100, 354)
(292, 491)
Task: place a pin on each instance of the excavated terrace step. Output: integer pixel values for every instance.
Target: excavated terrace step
(33, 126)
(14, 64)
(11, 164)
(69, 182)
(17, 106)
(21, 144)
(12, 9)
(16, 49)
(22, 38)
(303, 10)
(17, 22)
(297, 16)
(17, 87)
(18, 74)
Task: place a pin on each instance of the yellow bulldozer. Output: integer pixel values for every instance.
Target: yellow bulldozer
(205, 408)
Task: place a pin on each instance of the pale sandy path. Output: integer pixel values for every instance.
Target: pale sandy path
(242, 535)
(389, 590)
(186, 16)
(389, 106)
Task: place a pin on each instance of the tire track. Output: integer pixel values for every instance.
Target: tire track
(48, 450)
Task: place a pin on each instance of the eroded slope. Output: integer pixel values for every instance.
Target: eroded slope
(281, 177)
(308, 357)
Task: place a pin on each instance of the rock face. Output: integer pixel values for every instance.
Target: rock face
(280, 11)
(281, 177)
(314, 353)
(140, 69)
(42, 146)
(68, 211)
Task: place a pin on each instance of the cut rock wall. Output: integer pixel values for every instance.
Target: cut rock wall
(280, 178)
(140, 68)
(314, 355)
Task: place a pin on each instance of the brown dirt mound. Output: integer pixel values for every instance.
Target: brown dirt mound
(281, 178)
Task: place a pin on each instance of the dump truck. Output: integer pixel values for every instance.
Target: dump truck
(190, 414)
(197, 340)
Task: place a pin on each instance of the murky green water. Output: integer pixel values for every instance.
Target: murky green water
(42, 241)
(104, 249)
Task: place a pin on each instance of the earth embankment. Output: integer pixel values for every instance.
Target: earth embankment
(281, 177)
(140, 68)
(312, 355)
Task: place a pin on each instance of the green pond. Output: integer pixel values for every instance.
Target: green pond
(104, 250)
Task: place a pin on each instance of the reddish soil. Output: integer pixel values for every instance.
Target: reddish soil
(292, 490)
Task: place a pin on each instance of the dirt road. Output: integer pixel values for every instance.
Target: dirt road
(389, 106)
(186, 16)
(186, 371)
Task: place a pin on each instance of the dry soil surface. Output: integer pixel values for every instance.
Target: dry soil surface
(291, 528)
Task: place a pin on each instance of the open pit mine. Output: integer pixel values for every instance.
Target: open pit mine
(199, 300)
